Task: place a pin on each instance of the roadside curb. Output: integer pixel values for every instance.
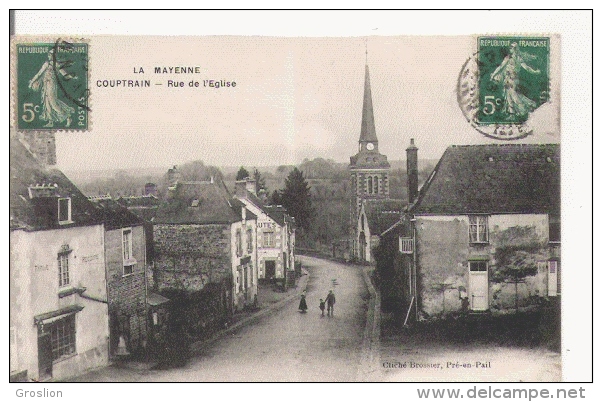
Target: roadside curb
(199, 345)
(368, 371)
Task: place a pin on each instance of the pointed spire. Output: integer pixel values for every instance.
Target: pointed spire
(368, 132)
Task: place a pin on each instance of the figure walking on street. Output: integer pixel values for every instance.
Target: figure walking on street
(322, 306)
(303, 304)
(330, 300)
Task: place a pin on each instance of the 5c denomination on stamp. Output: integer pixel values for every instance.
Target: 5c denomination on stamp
(52, 85)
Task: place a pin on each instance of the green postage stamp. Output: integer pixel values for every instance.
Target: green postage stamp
(504, 82)
(52, 85)
(513, 79)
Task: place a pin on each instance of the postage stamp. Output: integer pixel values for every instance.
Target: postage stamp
(52, 85)
(513, 79)
(503, 83)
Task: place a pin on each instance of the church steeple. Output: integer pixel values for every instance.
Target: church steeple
(368, 132)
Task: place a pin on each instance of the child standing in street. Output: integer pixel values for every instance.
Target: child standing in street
(322, 306)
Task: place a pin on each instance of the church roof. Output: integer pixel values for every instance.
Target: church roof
(382, 214)
(368, 133)
(493, 178)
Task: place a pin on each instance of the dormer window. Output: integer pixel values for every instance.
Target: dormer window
(64, 206)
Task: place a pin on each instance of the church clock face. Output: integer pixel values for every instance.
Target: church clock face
(370, 146)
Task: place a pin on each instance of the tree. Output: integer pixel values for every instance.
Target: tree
(242, 174)
(260, 187)
(276, 198)
(515, 264)
(198, 171)
(296, 198)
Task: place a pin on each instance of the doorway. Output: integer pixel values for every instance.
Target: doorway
(478, 284)
(270, 269)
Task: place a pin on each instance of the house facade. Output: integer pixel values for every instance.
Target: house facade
(205, 254)
(127, 290)
(58, 298)
(483, 233)
(275, 233)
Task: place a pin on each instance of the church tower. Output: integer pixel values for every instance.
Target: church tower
(369, 168)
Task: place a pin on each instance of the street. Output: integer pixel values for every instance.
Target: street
(285, 345)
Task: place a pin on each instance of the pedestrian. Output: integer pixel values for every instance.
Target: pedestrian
(303, 304)
(322, 306)
(330, 300)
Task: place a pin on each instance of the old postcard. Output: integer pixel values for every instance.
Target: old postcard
(273, 208)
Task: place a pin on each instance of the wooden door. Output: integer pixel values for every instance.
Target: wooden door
(478, 285)
(44, 356)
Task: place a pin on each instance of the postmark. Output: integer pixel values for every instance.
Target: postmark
(503, 83)
(51, 85)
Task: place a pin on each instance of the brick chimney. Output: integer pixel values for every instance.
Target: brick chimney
(245, 186)
(412, 168)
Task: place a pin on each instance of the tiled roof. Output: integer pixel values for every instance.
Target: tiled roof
(276, 212)
(495, 178)
(382, 214)
(38, 209)
(237, 206)
(138, 201)
(214, 205)
(115, 215)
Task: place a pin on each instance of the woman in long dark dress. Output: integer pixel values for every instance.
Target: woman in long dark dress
(303, 304)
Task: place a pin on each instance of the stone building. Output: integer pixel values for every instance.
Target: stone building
(58, 299)
(205, 254)
(483, 233)
(372, 210)
(275, 233)
(125, 258)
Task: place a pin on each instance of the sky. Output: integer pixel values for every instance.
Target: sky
(295, 98)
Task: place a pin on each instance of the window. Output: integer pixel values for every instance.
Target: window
(478, 229)
(128, 259)
(369, 184)
(238, 243)
(477, 266)
(375, 178)
(62, 337)
(63, 261)
(268, 239)
(406, 245)
(554, 229)
(64, 210)
(249, 241)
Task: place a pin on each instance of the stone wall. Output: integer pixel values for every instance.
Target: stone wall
(188, 257)
(193, 268)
